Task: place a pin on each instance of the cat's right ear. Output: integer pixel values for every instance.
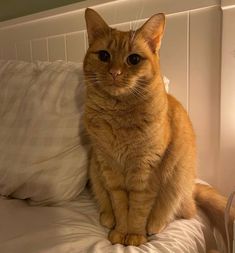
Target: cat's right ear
(96, 26)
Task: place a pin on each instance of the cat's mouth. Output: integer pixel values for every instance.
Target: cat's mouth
(117, 91)
(117, 88)
(117, 83)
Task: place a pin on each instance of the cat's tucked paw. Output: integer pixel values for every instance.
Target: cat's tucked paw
(116, 237)
(153, 228)
(107, 219)
(135, 239)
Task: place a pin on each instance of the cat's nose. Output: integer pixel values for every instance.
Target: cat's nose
(115, 72)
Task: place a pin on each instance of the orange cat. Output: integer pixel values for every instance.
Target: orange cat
(142, 167)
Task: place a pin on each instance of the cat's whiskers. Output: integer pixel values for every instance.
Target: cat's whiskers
(135, 23)
(132, 36)
(137, 93)
(136, 89)
(90, 80)
(90, 77)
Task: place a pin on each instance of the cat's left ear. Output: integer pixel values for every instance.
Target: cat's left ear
(152, 31)
(96, 26)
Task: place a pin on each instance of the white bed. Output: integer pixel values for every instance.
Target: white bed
(67, 225)
(73, 227)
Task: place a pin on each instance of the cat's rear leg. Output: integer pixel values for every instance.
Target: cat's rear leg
(102, 197)
(187, 209)
(162, 213)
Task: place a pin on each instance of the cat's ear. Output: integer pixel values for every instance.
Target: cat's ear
(152, 31)
(96, 26)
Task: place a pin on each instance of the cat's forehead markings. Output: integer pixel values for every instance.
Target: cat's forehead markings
(119, 40)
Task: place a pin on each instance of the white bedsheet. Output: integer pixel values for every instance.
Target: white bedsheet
(73, 227)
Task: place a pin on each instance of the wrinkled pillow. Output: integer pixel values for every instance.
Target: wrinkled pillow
(43, 146)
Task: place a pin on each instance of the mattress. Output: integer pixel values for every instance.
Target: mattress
(73, 227)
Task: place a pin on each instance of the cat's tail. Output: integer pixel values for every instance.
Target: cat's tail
(213, 204)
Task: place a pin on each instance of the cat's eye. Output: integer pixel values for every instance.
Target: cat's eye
(104, 55)
(133, 59)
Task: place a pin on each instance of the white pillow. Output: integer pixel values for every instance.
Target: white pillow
(43, 149)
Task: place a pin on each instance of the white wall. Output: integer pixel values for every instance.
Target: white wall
(226, 176)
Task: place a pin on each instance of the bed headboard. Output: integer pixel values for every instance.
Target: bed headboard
(190, 54)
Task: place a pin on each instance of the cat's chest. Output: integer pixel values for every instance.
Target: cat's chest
(122, 136)
(113, 131)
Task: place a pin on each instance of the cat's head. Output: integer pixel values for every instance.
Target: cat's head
(122, 63)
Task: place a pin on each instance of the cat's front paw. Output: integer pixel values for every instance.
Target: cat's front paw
(107, 219)
(135, 239)
(116, 237)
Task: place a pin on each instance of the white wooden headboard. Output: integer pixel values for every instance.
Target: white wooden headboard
(190, 55)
